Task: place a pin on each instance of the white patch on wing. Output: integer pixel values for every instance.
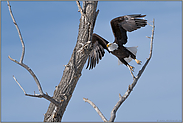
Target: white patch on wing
(129, 59)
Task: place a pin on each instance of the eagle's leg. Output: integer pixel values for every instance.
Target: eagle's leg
(129, 66)
(134, 57)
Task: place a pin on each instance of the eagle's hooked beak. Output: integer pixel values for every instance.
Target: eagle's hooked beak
(108, 44)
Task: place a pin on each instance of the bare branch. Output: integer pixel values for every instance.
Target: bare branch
(31, 72)
(19, 33)
(148, 37)
(131, 71)
(19, 85)
(150, 55)
(114, 110)
(46, 96)
(149, 24)
(23, 51)
(96, 109)
(81, 11)
(41, 95)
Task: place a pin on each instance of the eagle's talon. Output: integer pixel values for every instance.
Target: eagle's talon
(138, 61)
(131, 68)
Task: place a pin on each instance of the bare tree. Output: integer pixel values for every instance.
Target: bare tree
(73, 69)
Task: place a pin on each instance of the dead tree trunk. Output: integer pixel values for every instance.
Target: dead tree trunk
(73, 69)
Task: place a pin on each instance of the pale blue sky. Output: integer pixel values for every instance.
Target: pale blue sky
(50, 31)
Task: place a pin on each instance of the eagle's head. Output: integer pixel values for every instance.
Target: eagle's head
(112, 46)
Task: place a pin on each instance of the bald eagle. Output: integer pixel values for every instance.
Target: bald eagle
(120, 26)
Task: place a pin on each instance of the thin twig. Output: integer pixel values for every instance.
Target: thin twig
(149, 24)
(19, 33)
(150, 54)
(96, 109)
(81, 11)
(19, 84)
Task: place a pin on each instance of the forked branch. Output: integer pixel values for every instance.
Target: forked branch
(41, 95)
(81, 11)
(130, 87)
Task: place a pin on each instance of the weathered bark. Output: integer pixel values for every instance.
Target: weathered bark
(73, 69)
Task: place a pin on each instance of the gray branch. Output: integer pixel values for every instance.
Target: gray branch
(96, 109)
(31, 72)
(130, 87)
(19, 85)
(80, 9)
(19, 33)
(82, 13)
(41, 95)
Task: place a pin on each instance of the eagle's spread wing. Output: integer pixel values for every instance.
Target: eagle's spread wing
(131, 22)
(121, 25)
(99, 44)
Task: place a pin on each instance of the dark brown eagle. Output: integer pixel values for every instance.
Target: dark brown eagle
(120, 26)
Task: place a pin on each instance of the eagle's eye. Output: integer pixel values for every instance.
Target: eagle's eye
(109, 44)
